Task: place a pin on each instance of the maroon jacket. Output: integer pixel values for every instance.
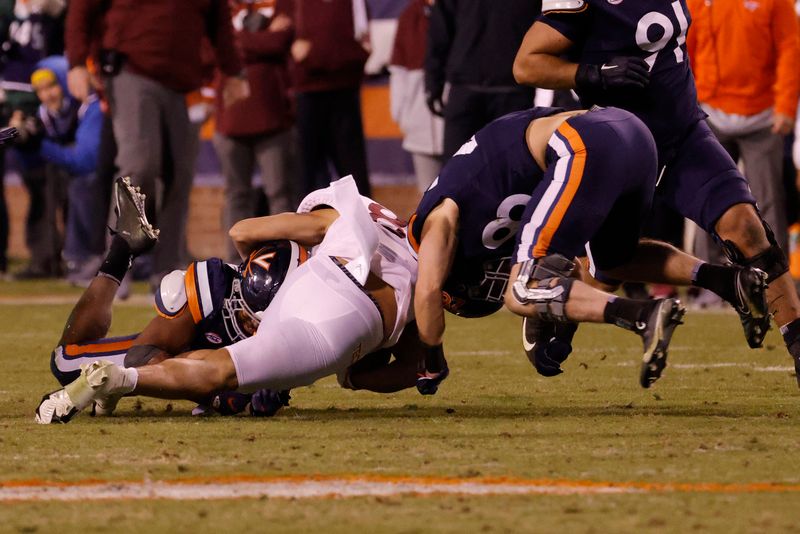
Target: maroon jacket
(268, 109)
(336, 60)
(160, 38)
(411, 36)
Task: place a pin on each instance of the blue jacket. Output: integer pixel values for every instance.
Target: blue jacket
(79, 157)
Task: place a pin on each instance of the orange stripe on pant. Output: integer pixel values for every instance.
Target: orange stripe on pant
(553, 222)
(96, 348)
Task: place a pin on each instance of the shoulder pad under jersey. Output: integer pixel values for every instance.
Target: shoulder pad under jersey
(206, 284)
(171, 294)
(550, 6)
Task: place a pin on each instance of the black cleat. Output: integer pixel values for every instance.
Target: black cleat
(132, 225)
(751, 305)
(656, 334)
(547, 344)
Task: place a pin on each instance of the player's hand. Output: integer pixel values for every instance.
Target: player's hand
(782, 124)
(280, 22)
(618, 73)
(234, 89)
(432, 370)
(434, 101)
(300, 49)
(79, 82)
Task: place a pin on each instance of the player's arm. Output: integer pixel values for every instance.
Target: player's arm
(435, 256)
(540, 62)
(307, 229)
(170, 335)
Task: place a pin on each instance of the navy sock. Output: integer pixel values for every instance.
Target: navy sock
(721, 279)
(625, 313)
(118, 260)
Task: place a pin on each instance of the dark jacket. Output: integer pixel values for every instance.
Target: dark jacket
(336, 59)
(474, 42)
(159, 38)
(268, 108)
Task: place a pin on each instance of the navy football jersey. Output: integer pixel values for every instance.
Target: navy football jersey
(491, 179)
(654, 30)
(208, 285)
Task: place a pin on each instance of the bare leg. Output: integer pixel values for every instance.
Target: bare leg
(90, 319)
(741, 225)
(658, 263)
(194, 378)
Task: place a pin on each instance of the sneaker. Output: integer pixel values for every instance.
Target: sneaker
(55, 407)
(547, 344)
(656, 334)
(751, 305)
(132, 225)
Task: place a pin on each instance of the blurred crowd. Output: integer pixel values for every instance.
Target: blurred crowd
(100, 88)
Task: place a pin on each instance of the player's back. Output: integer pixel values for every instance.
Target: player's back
(654, 30)
(490, 179)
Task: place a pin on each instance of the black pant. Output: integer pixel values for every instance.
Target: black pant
(330, 131)
(469, 109)
(3, 215)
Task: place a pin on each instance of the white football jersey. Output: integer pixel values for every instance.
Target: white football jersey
(367, 233)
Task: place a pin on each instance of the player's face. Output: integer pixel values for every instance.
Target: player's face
(247, 323)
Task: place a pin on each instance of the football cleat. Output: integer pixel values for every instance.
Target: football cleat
(100, 381)
(547, 344)
(656, 334)
(132, 224)
(751, 304)
(55, 407)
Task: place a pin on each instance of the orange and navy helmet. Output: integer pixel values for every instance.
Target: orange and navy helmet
(260, 277)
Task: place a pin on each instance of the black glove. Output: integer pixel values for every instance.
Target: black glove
(618, 73)
(432, 370)
(434, 100)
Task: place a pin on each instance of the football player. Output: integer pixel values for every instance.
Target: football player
(632, 54)
(210, 304)
(529, 193)
(351, 298)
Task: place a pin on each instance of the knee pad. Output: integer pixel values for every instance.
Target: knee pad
(552, 286)
(772, 261)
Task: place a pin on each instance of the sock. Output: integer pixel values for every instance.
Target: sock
(791, 332)
(131, 378)
(625, 313)
(118, 260)
(720, 279)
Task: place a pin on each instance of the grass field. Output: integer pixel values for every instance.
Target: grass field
(721, 414)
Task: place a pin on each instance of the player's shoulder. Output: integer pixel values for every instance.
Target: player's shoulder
(564, 6)
(201, 289)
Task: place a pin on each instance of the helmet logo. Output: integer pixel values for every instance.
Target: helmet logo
(261, 261)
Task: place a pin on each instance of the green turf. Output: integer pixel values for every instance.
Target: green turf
(493, 417)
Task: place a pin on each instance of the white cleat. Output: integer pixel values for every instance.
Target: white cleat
(55, 407)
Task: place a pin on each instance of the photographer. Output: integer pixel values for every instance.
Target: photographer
(69, 131)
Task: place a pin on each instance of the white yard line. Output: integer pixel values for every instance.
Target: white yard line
(331, 487)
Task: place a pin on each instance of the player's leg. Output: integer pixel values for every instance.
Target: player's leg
(379, 373)
(704, 184)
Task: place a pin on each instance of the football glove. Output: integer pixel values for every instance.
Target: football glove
(432, 371)
(617, 73)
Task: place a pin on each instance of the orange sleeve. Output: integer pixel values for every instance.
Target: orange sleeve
(786, 43)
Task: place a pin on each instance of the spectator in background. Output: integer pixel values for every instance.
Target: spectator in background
(471, 46)
(330, 49)
(150, 60)
(422, 130)
(258, 129)
(745, 57)
(32, 30)
(71, 140)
